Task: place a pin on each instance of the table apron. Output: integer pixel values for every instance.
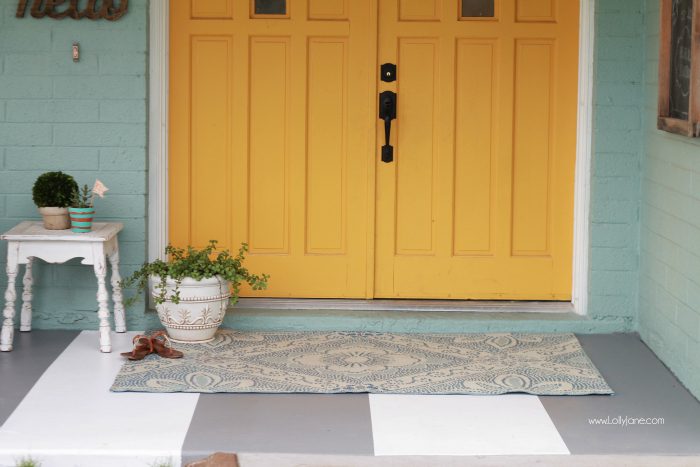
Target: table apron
(52, 253)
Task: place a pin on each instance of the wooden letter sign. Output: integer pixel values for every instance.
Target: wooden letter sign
(679, 67)
(93, 10)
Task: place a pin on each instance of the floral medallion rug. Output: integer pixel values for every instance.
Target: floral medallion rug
(343, 362)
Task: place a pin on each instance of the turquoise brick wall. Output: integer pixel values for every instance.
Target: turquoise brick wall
(90, 119)
(86, 118)
(669, 320)
(617, 136)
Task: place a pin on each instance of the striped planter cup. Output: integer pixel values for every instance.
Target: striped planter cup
(81, 219)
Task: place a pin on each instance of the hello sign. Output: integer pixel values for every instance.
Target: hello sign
(59, 9)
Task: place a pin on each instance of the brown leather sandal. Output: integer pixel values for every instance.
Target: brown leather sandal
(143, 345)
(163, 347)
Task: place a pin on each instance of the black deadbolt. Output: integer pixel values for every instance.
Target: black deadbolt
(388, 72)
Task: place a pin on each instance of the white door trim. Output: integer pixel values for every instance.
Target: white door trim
(584, 148)
(158, 144)
(158, 51)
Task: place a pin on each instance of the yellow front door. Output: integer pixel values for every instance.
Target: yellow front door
(270, 137)
(478, 202)
(275, 140)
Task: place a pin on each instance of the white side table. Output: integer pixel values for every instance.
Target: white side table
(29, 240)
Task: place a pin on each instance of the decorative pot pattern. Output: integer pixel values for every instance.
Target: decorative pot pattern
(81, 219)
(55, 218)
(201, 309)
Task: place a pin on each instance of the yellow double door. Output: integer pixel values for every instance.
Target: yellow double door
(275, 140)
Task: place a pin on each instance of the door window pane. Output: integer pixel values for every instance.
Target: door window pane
(478, 8)
(270, 7)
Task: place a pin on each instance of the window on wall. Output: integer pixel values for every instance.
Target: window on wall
(679, 67)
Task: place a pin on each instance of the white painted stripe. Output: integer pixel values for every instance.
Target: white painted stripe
(70, 418)
(512, 424)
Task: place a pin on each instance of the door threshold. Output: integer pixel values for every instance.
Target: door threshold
(477, 306)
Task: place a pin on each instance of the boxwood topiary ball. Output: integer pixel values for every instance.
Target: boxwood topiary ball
(54, 189)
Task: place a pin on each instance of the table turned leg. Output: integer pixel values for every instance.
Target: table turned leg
(25, 322)
(8, 325)
(117, 297)
(102, 299)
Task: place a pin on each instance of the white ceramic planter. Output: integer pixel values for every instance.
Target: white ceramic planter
(55, 218)
(201, 309)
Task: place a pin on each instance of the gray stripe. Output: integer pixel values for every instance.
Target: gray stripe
(33, 353)
(275, 423)
(643, 387)
(547, 460)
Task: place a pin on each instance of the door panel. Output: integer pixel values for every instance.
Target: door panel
(531, 147)
(326, 164)
(212, 60)
(474, 158)
(536, 10)
(268, 151)
(478, 202)
(328, 9)
(415, 176)
(212, 9)
(271, 136)
(419, 10)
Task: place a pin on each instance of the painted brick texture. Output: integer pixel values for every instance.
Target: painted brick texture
(615, 182)
(87, 119)
(669, 320)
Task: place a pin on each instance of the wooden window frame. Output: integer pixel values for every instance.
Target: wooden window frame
(495, 17)
(691, 126)
(255, 15)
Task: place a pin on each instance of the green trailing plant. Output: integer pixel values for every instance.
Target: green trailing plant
(27, 462)
(54, 189)
(162, 463)
(197, 264)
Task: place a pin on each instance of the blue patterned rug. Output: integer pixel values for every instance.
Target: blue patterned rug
(342, 362)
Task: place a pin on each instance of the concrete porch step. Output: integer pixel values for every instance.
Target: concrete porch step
(246, 317)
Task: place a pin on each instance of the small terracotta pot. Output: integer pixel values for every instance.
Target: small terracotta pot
(81, 219)
(55, 218)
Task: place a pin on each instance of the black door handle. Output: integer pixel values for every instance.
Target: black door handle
(387, 112)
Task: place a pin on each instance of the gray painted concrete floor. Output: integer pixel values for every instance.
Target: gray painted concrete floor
(32, 355)
(643, 387)
(296, 460)
(340, 425)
